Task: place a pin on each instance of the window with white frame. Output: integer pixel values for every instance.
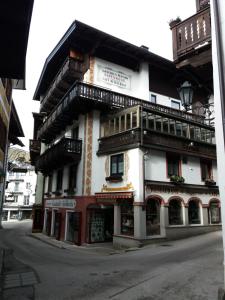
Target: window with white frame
(153, 98)
(117, 165)
(175, 104)
(26, 200)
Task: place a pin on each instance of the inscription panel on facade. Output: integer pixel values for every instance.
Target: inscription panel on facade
(114, 77)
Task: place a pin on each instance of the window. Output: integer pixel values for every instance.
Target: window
(28, 185)
(153, 217)
(75, 133)
(16, 188)
(175, 104)
(175, 212)
(72, 177)
(173, 165)
(59, 180)
(206, 169)
(214, 212)
(50, 183)
(153, 98)
(127, 218)
(117, 165)
(194, 212)
(15, 198)
(26, 200)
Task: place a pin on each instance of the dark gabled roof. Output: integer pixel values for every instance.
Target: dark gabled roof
(15, 17)
(89, 40)
(15, 128)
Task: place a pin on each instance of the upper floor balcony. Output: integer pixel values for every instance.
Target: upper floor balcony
(138, 127)
(65, 151)
(71, 70)
(191, 38)
(35, 149)
(83, 97)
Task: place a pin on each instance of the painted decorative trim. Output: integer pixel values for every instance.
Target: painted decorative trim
(128, 187)
(88, 160)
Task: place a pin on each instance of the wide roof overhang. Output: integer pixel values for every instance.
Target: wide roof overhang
(89, 40)
(15, 17)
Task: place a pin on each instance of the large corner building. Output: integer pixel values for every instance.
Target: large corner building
(117, 157)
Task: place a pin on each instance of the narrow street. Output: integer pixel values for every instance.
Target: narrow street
(178, 270)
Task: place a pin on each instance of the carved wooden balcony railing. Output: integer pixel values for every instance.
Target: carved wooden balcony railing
(35, 149)
(155, 140)
(65, 151)
(71, 70)
(191, 34)
(82, 97)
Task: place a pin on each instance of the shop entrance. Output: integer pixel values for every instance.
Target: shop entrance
(100, 223)
(153, 217)
(48, 222)
(57, 225)
(73, 232)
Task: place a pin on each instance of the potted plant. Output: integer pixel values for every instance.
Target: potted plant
(177, 179)
(174, 22)
(209, 181)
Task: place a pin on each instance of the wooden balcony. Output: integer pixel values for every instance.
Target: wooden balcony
(83, 97)
(192, 37)
(65, 151)
(155, 140)
(35, 149)
(71, 70)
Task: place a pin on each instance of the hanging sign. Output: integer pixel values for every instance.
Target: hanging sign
(61, 203)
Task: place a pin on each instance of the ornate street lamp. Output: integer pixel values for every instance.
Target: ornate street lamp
(186, 94)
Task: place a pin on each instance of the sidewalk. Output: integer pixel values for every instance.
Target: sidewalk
(97, 248)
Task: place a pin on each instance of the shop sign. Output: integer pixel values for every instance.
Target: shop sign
(106, 200)
(114, 77)
(61, 203)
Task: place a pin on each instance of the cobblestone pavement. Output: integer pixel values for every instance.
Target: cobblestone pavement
(17, 279)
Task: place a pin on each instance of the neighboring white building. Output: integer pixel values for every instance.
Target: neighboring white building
(119, 160)
(20, 191)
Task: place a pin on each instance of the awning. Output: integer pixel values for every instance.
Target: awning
(119, 195)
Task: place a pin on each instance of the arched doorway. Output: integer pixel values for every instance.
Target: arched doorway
(153, 217)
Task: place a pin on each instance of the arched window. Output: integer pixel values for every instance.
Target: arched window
(175, 212)
(194, 212)
(153, 217)
(214, 212)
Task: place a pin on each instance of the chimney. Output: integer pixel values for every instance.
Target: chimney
(144, 47)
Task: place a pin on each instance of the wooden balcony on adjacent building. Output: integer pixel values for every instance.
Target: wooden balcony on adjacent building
(83, 97)
(65, 151)
(35, 149)
(192, 39)
(71, 71)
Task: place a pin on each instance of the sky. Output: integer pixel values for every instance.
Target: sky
(142, 22)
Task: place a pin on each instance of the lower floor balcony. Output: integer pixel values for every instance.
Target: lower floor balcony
(155, 140)
(67, 150)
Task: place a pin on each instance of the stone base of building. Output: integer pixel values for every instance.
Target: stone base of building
(175, 233)
(120, 242)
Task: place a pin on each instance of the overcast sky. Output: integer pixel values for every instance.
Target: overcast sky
(142, 22)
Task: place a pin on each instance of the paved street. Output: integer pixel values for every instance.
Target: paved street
(179, 270)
